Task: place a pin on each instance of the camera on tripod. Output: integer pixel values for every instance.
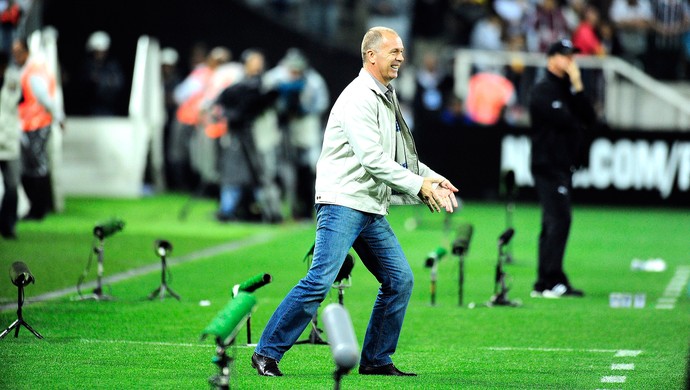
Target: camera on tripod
(108, 228)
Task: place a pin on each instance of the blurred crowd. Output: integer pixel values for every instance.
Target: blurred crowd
(652, 34)
(245, 131)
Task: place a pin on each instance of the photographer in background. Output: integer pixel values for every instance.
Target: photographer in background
(246, 160)
(303, 98)
(102, 80)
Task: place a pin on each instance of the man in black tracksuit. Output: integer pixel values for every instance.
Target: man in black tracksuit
(560, 114)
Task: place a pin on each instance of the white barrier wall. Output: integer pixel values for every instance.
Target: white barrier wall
(103, 156)
(106, 156)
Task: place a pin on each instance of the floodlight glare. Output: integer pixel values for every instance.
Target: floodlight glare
(507, 186)
(162, 247)
(254, 283)
(500, 297)
(461, 245)
(431, 261)
(20, 277)
(100, 231)
(346, 269)
(108, 228)
(504, 238)
(20, 274)
(250, 285)
(228, 321)
(434, 256)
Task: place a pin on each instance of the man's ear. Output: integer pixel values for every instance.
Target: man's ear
(371, 56)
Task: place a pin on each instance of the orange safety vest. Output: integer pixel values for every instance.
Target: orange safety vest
(215, 130)
(188, 111)
(487, 95)
(32, 114)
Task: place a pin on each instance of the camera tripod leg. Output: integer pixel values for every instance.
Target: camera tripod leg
(155, 293)
(27, 326)
(16, 325)
(163, 289)
(161, 292)
(172, 293)
(314, 335)
(221, 380)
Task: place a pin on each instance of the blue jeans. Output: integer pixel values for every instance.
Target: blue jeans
(230, 197)
(338, 229)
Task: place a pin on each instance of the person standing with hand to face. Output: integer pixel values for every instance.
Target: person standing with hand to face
(368, 162)
(560, 114)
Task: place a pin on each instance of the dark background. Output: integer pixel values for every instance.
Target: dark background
(180, 24)
(470, 154)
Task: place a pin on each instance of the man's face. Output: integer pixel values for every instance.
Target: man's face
(559, 63)
(388, 58)
(295, 74)
(19, 53)
(254, 65)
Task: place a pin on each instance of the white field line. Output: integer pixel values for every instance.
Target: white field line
(613, 379)
(604, 379)
(616, 367)
(152, 343)
(129, 274)
(161, 343)
(201, 344)
(618, 352)
(628, 353)
(674, 289)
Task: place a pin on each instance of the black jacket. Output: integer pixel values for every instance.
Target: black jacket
(244, 101)
(560, 119)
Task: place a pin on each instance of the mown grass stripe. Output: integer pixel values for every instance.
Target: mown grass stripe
(200, 254)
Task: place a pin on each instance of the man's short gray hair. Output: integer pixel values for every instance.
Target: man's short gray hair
(373, 38)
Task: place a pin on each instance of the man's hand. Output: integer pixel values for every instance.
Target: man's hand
(438, 193)
(574, 74)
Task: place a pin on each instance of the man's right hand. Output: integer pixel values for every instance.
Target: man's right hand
(575, 77)
(438, 193)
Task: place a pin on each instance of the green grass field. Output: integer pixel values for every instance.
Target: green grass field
(135, 343)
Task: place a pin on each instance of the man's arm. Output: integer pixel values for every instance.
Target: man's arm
(39, 87)
(584, 107)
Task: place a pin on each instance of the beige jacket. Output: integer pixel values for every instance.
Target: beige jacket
(357, 166)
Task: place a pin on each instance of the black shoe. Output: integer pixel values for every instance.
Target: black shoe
(388, 369)
(33, 217)
(8, 235)
(265, 365)
(573, 292)
(224, 218)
